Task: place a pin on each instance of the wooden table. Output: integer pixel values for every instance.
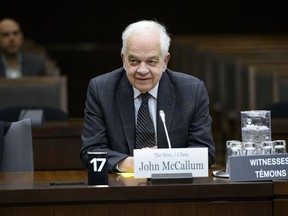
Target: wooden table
(31, 193)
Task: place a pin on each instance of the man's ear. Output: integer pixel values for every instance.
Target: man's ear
(166, 60)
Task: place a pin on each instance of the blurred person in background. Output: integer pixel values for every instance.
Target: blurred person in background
(14, 62)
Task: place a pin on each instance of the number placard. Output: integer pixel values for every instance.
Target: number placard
(97, 168)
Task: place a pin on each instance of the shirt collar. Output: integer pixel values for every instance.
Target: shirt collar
(20, 57)
(153, 92)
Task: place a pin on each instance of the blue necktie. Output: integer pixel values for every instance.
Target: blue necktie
(145, 133)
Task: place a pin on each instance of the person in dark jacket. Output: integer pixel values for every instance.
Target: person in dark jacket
(113, 101)
(14, 62)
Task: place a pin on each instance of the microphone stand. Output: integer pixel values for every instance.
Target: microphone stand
(162, 116)
(170, 177)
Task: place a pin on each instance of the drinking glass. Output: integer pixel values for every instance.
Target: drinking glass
(256, 126)
(279, 146)
(233, 148)
(249, 148)
(267, 147)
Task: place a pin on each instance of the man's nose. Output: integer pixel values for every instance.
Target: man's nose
(143, 69)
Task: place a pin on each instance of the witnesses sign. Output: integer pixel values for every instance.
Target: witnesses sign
(258, 167)
(170, 161)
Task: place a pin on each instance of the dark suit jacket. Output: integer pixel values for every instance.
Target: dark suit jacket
(109, 121)
(31, 66)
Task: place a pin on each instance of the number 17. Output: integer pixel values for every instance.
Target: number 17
(94, 162)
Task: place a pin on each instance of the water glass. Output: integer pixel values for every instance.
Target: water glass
(267, 147)
(249, 148)
(279, 146)
(256, 126)
(233, 148)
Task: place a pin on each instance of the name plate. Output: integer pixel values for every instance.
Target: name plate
(258, 167)
(170, 161)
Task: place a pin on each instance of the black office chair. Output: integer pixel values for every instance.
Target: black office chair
(12, 114)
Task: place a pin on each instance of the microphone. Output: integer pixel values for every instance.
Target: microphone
(162, 116)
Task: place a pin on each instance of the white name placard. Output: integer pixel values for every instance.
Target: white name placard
(168, 161)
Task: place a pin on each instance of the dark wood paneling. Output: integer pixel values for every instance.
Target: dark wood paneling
(56, 145)
(280, 207)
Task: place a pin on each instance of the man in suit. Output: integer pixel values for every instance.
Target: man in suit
(15, 63)
(113, 101)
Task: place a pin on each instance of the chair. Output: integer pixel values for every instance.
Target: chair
(17, 154)
(12, 114)
(47, 91)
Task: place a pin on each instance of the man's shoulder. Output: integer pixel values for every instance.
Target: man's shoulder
(110, 79)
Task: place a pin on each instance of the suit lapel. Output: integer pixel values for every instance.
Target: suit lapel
(127, 111)
(165, 102)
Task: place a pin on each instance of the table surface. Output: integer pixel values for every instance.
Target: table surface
(69, 184)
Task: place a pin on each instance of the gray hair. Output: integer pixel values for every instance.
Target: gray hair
(144, 26)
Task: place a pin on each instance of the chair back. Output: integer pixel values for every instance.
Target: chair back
(12, 114)
(34, 91)
(17, 155)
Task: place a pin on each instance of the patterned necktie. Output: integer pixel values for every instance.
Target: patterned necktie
(145, 134)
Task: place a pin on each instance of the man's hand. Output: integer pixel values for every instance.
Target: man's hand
(127, 165)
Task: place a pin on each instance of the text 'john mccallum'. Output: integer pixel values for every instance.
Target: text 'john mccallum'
(177, 165)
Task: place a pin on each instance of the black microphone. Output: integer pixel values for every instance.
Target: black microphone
(162, 116)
